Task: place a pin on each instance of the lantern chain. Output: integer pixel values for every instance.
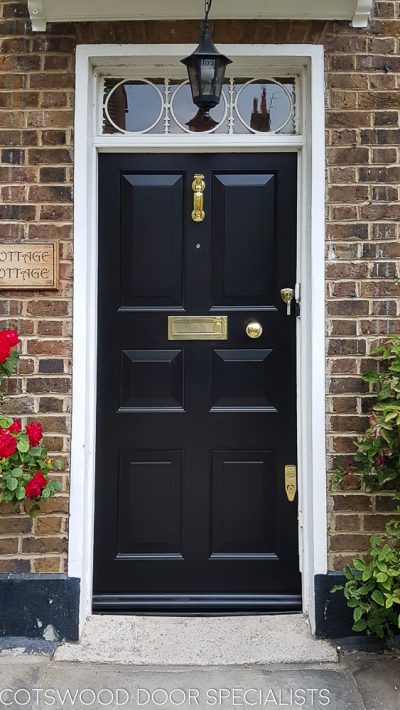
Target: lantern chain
(207, 8)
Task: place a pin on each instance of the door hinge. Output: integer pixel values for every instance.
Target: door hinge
(297, 306)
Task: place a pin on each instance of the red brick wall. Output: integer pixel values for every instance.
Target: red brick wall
(363, 172)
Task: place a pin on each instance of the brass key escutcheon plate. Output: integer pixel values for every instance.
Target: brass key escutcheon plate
(290, 481)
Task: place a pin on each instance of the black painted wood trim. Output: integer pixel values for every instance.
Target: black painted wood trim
(30, 604)
(333, 617)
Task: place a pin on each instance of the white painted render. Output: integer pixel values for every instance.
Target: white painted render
(308, 61)
(43, 11)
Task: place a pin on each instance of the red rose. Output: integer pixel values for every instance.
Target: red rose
(4, 350)
(34, 487)
(35, 433)
(15, 427)
(11, 337)
(8, 444)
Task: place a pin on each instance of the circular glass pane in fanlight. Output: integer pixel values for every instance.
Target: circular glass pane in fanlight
(135, 106)
(265, 106)
(186, 116)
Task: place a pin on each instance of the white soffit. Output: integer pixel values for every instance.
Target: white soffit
(43, 11)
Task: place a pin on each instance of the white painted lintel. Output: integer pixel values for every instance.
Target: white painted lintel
(44, 11)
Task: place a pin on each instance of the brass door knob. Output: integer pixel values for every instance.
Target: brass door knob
(254, 329)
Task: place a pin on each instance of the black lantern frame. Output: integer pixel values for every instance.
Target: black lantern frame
(206, 69)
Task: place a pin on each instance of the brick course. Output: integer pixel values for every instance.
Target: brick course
(362, 237)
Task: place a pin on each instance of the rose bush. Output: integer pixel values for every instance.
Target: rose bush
(24, 463)
(8, 358)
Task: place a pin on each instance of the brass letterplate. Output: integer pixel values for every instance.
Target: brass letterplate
(197, 327)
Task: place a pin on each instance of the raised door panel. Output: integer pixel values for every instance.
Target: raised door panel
(244, 379)
(243, 240)
(149, 504)
(151, 380)
(151, 241)
(244, 504)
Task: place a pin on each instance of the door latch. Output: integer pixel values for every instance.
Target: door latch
(287, 296)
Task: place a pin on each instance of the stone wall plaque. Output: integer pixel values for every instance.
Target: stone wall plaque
(29, 265)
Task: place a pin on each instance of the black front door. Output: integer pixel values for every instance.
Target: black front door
(193, 436)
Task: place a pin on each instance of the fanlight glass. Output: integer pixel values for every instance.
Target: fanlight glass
(162, 106)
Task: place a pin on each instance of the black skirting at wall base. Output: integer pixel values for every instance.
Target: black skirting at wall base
(39, 606)
(334, 619)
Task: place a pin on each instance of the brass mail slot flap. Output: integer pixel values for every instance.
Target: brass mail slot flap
(197, 327)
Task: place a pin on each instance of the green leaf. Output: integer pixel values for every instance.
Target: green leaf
(359, 564)
(361, 625)
(366, 575)
(337, 588)
(23, 444)
(357, 613)
(381, 577)
(17, 472)
(378, 598)
(57, 485)
(20, 493)
(34, 511)
(347, 572)
(371, 377)
(58, 464)
(12, 484)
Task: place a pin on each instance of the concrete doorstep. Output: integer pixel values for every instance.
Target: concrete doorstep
(205, 641)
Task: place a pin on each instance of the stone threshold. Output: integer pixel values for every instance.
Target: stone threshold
(198, 641)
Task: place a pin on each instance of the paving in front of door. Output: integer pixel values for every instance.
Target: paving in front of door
(197, 664)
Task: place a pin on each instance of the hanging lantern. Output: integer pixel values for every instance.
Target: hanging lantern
(206, 70)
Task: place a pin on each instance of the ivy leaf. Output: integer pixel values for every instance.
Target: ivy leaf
(347, 572)
(381, 577)
(359, 564)
(371, 377)
(360, 625)
(378, 598)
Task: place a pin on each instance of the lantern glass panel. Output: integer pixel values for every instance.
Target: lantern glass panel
(207, 73)
(193, 79)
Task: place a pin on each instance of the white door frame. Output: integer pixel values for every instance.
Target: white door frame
(310, 327)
